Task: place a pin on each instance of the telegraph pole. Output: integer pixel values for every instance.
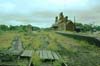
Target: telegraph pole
(74, 22)
(74, 19)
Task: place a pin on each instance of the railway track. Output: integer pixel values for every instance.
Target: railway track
(45, 42)
(46, 39)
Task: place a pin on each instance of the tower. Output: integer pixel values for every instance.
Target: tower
(74, 23)
(66, 18)
(61, 17)
(56, 19)
(74, 19)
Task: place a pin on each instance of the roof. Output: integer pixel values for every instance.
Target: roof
(69, 21)
(46, 54)
(27, 53)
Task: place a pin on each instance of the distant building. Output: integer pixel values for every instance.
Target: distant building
(62, 23)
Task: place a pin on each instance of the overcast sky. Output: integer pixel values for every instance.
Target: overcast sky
(42, 12)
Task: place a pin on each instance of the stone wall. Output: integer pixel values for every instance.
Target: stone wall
(91, 40)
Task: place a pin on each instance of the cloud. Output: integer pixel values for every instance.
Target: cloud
(42, 13)
(6, 7)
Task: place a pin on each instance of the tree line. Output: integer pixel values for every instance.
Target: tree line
(20, 28)
(24, 28)
(87, 27)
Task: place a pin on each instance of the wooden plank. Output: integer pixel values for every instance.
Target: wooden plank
(50, 56)
(37, 52)
(45, 55)
(40, 54)
(27, 53)
(55, 56)
(8, 64)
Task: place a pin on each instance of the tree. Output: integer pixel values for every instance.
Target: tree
(4, 27)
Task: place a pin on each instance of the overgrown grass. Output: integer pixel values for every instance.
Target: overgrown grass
(36, 60)
(6, 39)
(78, 53)
(57, 63)
(74, 52)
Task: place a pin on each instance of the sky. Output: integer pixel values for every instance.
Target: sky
(42, 13)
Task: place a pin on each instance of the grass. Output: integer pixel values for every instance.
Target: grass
(22, 62)
(78, 53)
(73, 52)
(36, 60)
(6, 39)
(57, 63)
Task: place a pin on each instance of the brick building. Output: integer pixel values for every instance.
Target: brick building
(62, 23)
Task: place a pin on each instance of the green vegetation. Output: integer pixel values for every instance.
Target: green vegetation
(78, 53)
(36, 60)
(22, 62)
(73, 52)
(6, 38)
(21, 28)
(57, 63)
(88, 27)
